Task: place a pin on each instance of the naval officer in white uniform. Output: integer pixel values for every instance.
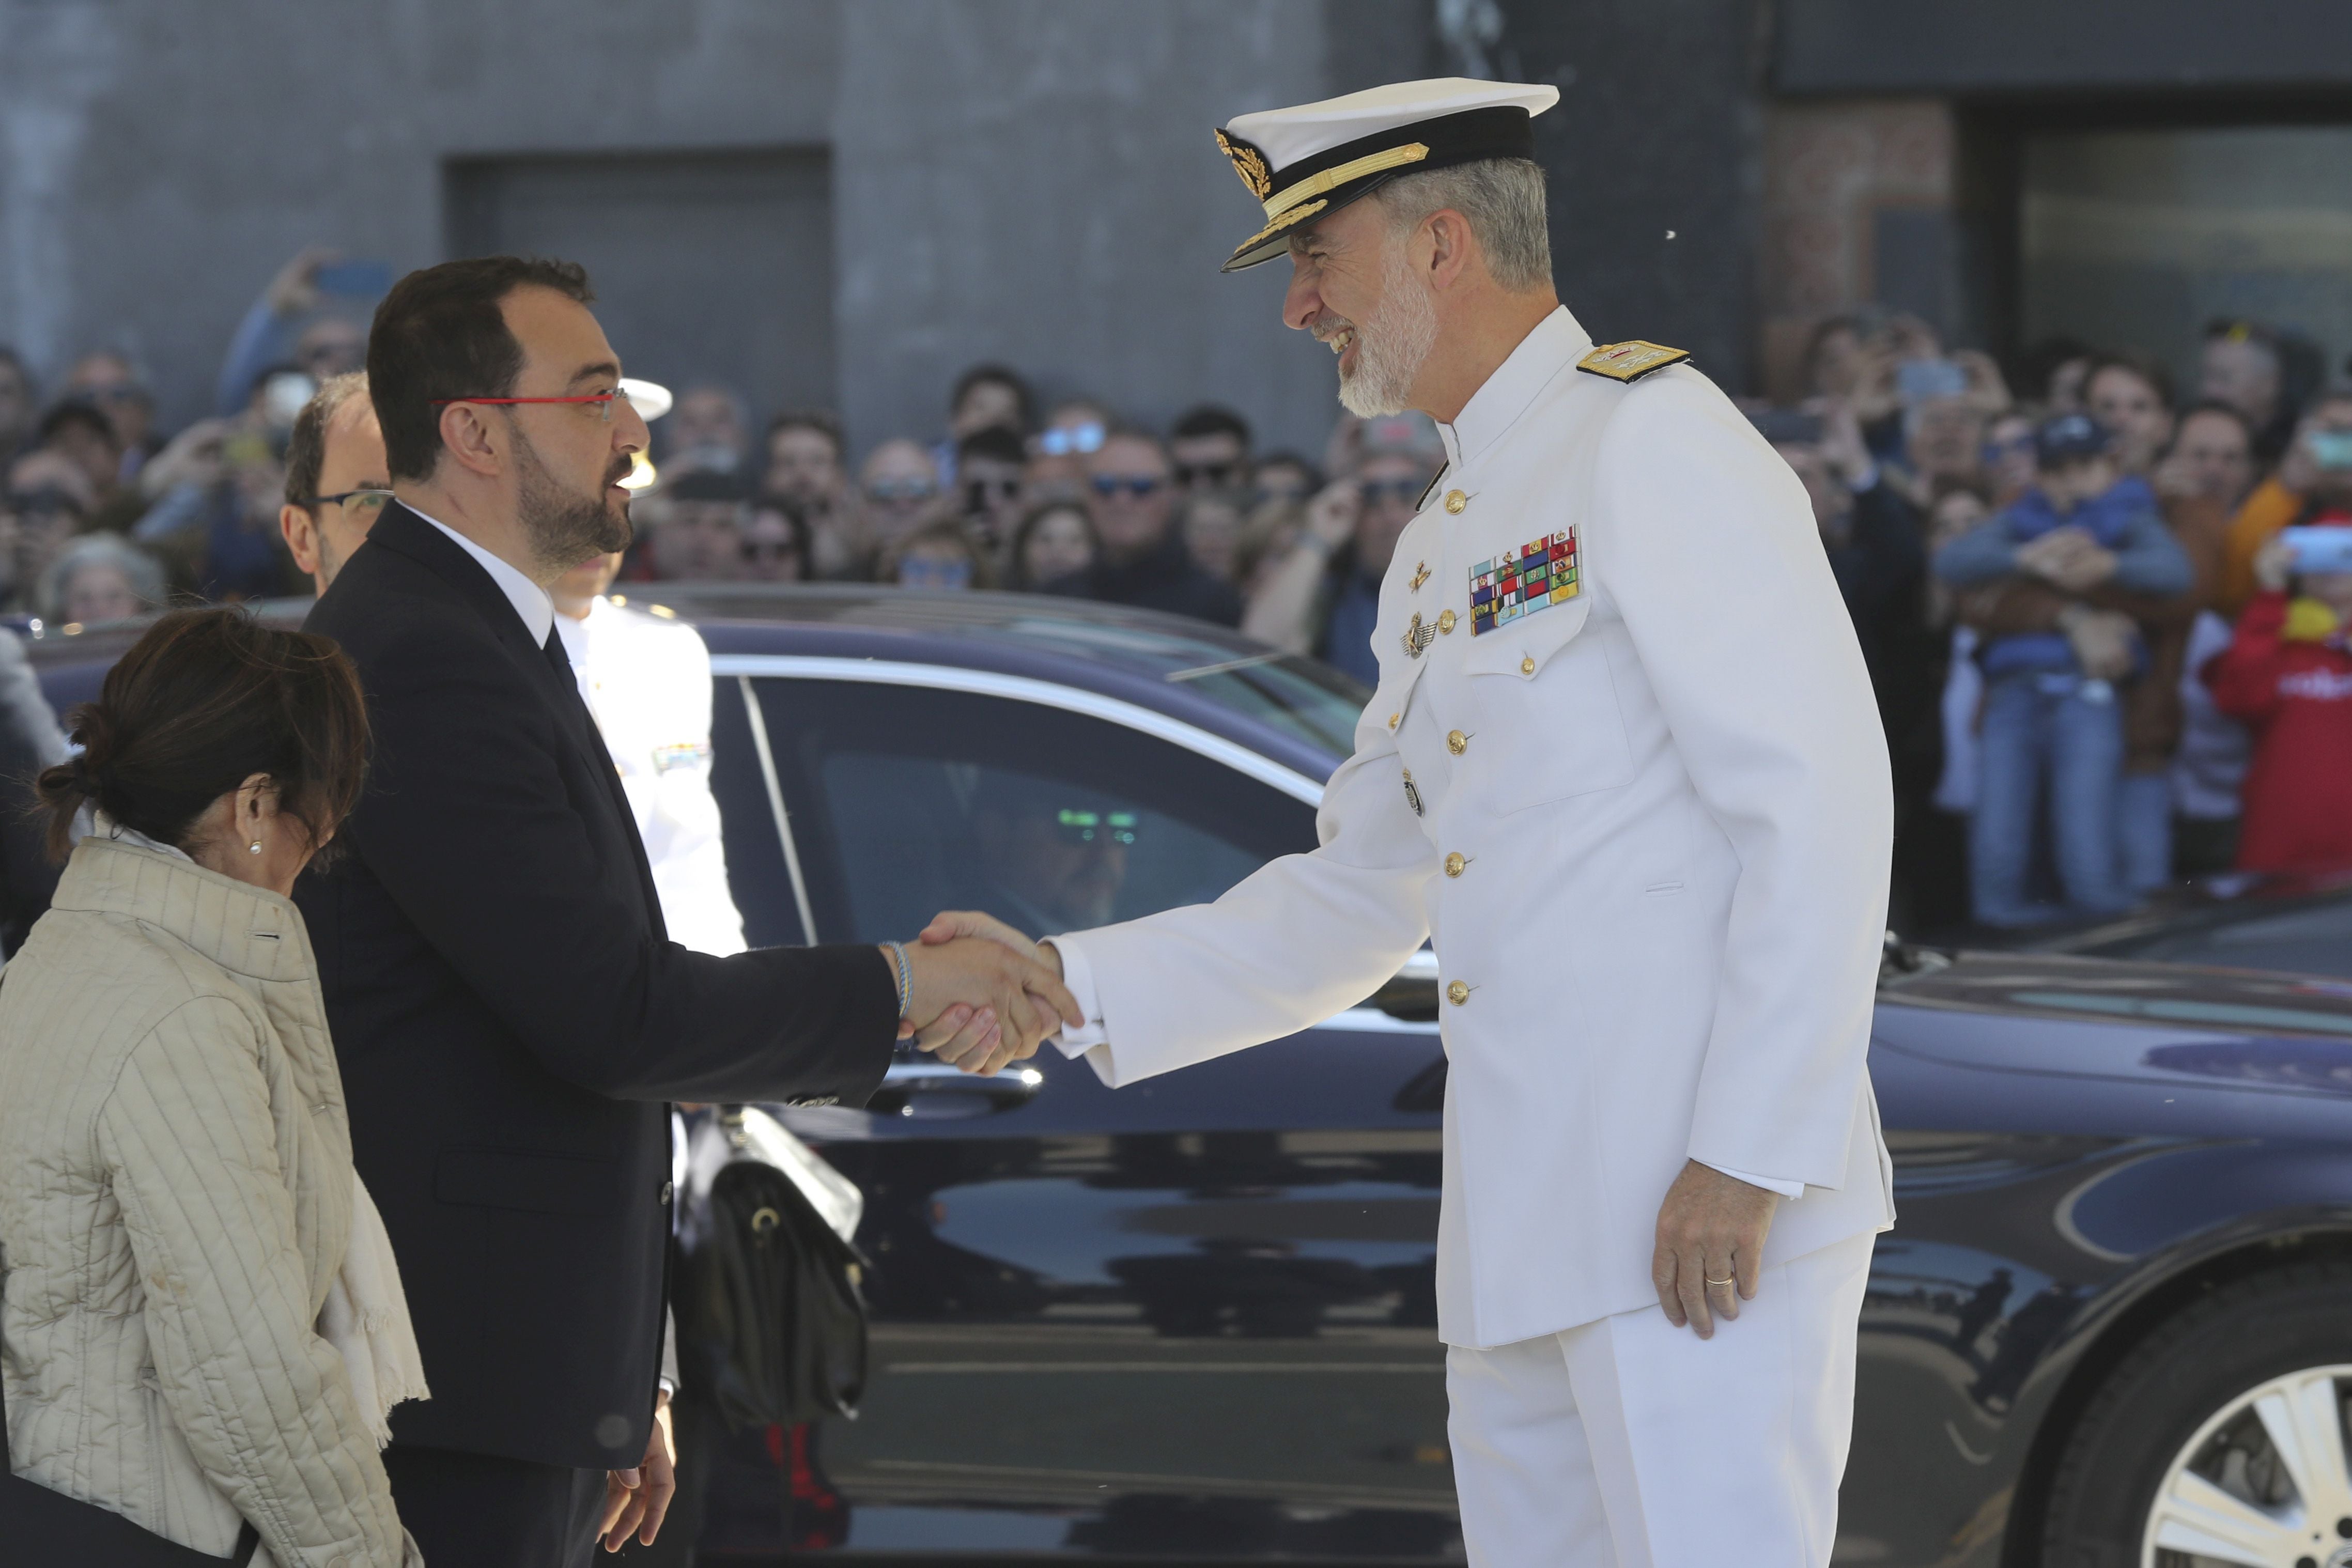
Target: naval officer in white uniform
(1622, 768)
(645, 676)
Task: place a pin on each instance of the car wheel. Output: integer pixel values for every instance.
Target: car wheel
(2219, 1439)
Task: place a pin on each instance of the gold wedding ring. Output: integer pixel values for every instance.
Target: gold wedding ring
(1733, 1280)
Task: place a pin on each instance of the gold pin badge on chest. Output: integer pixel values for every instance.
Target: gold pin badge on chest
(1418, 635)
(1420, 575)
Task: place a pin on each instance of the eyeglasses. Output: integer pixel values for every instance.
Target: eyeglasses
(1136, 485)
(1074, 827)
(908, 489)
(360, 506)
(602, 402)
(1217, 474)
(1375, 491)
(1062, 440)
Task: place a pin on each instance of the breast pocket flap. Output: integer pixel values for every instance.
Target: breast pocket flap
(1522, 648)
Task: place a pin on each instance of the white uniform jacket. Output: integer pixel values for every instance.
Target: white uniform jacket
(647, 681)
(1648, 830)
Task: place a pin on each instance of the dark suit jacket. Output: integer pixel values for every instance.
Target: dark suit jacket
(509, 1017)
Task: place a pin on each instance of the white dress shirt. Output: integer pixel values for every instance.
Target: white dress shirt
(529, 600)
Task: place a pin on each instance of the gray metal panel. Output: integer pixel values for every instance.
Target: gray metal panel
(1959, 46)
(709, 266)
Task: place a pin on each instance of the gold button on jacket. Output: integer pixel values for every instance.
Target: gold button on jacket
(1457, 993)
(1445, 621)
(1454, 863)
(1456, 742)
(1456, 501)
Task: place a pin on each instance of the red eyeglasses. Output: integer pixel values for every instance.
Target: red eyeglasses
(605, 413)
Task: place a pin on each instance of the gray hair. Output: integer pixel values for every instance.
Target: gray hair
(137, 568)
(1504, 200)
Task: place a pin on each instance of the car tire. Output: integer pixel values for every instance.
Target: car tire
(2197, 1365)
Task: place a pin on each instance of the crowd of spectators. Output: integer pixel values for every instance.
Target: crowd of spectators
(2102, 661)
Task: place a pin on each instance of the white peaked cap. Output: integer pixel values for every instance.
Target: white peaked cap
(1308, 160)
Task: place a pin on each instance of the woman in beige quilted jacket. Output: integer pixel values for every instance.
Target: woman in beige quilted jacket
(199, 1323)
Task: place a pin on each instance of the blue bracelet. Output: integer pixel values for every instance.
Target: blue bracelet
(906, 978)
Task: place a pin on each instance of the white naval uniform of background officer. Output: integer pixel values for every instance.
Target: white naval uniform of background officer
(647, 679)
(1647, 831)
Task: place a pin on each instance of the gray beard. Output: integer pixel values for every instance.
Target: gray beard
(563, 529)
(1391, 343)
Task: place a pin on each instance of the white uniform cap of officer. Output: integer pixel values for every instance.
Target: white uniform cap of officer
(1312, 160)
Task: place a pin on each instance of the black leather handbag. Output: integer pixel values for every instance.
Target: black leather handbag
(772, 1290)
(43, 1526)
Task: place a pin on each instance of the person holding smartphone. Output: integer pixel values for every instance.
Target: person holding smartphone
(2313, 480)
(2287, 676)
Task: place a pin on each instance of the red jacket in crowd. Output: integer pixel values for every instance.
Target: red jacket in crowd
(2292, 685)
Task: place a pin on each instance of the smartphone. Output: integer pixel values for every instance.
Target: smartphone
(354, 279)
(1920, 380)
(2320, 549)
(2330, 448)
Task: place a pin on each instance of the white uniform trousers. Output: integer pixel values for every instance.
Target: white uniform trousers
(1630, 1443)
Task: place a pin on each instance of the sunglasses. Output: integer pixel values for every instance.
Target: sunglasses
(917, 572)
(1375, 491)
(1061, 442)
(1074, 827)
(908, 490)
(1217, 474)
(983, 492)
(1136, 485)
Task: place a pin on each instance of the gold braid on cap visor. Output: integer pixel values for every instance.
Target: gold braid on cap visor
(1289, 220)
(1313, 186)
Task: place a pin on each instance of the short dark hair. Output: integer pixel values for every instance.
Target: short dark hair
(440, 334)
(72, 411)
(306, 449)
(994, 374)
(1211, 419)
(2132, 362)
(815, 419)
(996, 442)
(204, 701)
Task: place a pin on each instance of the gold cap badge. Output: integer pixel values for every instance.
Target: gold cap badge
(1249, 164)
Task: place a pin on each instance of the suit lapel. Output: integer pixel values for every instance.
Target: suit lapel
(405, 533)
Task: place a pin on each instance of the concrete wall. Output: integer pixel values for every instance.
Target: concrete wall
(1024, 178)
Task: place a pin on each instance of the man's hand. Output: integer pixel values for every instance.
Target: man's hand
(635, 1501)
(1331, 517)
(1021, 997)
(295, 289)
(1711, 1232)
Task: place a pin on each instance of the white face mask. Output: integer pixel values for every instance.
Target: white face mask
(1391, 343)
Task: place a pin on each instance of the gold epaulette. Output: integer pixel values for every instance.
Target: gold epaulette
(1631, 362)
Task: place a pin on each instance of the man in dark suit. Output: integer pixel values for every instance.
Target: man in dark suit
(509, 1015)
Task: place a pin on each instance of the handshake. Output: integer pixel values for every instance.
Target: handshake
(982, 995)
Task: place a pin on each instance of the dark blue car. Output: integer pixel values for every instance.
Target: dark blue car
(1195, 1319)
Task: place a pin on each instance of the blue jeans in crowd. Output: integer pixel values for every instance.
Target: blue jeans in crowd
(2144, 831)
(2068, 731)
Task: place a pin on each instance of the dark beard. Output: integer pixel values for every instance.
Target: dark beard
(564, 529)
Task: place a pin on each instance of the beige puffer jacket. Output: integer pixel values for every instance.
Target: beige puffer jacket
(175, 1198)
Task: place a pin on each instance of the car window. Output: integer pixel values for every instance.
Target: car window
(2316, 939)
(907, 800)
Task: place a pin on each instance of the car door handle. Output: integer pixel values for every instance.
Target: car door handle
(909, 1083)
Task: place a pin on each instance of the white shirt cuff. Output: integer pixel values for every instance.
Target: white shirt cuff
(1788, 1189)
(1093, 1041)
